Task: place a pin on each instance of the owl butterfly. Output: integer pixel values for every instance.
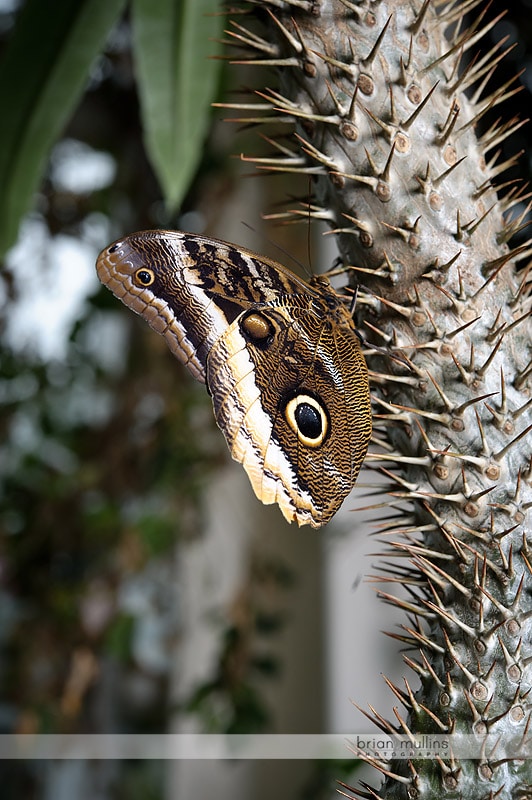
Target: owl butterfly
(280, 358)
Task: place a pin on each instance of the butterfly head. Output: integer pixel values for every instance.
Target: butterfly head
(127, 271)
(320, 282)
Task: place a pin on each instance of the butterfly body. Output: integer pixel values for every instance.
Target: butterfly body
(279, 356)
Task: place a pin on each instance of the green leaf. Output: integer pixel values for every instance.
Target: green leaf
(42, 76)
(177, 79)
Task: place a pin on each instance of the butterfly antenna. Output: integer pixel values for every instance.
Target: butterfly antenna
(353, 303)
(309, 243)
(281, 249)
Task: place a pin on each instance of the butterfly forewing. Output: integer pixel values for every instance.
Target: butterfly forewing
(281, 360)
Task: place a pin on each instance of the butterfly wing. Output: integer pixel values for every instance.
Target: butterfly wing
(295, 409)
(281, 360)
(190, 288)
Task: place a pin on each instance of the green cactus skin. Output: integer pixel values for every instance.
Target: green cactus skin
(383, 107)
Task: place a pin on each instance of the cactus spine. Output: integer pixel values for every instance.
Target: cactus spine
(383, 98)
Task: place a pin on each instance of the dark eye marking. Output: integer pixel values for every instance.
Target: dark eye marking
(307, 416)
(144, 277)
(257, 329)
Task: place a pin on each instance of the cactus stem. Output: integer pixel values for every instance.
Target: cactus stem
(453, 526)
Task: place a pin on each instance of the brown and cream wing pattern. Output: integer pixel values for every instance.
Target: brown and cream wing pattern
(280, 357)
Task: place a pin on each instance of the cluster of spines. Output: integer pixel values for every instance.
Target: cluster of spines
(306, 158)
(452, 430)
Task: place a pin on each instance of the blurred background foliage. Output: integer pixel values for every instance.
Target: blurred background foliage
(107, 128)
(106, 118)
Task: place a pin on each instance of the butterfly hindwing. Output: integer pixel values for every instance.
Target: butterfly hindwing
(253, 387)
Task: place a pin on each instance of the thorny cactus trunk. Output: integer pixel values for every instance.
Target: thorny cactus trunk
(384, 114)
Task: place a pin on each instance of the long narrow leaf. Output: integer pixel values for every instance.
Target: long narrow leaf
(42, 76)
(174, 42)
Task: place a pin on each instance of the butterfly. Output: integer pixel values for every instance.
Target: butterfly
(279, 356)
